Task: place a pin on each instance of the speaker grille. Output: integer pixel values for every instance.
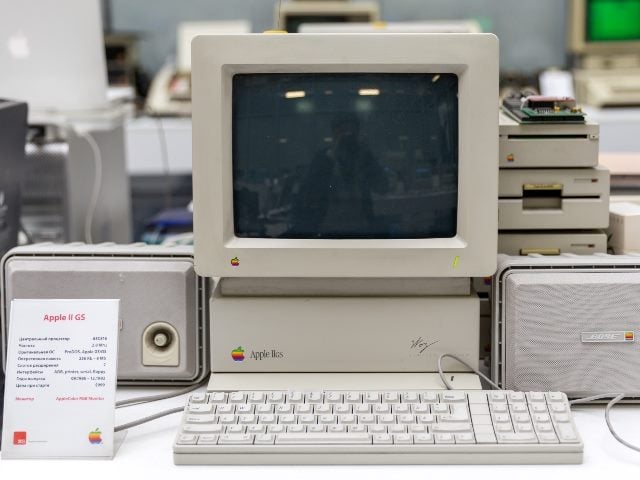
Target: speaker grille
(546, 313)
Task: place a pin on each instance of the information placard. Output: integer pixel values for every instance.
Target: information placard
(61, 379)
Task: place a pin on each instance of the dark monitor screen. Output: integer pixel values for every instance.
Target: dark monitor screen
(345, 155)
(293, 22)
(613, 20)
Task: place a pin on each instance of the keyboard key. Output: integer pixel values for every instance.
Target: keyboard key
(225, 409)
(391, 397)
(256, 429)
(268, 419)
(454, 418)
(421, 408)
(336, 428)
(544, 427)
(275, 397)
(200, 408)
(538, 407)
(558, 408)
(261, 409)
(423, 438)
(386, 419)
(396, 429)
(348, 419)
(247, 419)
(502, 418)
(547, 437)
(465, 438)
(199, 419)
(371, 397)
(244, 409)
(516, 397)
(287, 419)
(198, 398)
(522, 418)
(377, 428)
(556, 397)
(561, 418)
(535, 397)
(195, 429)
(296, 428)
(383, 438)
(503, 427)
(401, 408)
(319, 428)
(357, 428)
(514, 437)
(352, 397)
(417, 429)
(366, 419)
(187, 439)
(499, 408)
(227, 419)
(217, 397)
(439, 408)
(519, 408)
(410, 397)
(497, 397)
(303, 408)
(342, 409)
(306, 419)
(454, 396)
(313, 397)
(479, 409)
(428, 419)
(235, 439)
(381, 408)
(295, 397)
(333, 397)
(323, 439)
(256, 397)
(326, 419)
(566, 433)
(207, 439)
(284, 409)
(429, 397)
(444, 438)
(482, 438)
(234, 429)
(237, 397)
(277, 429)
(265, 439)
(402, 439)
(360, 409)
(322, 409)
(451, 427)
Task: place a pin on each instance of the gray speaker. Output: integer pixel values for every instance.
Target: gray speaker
(568, 323)
(163, 303)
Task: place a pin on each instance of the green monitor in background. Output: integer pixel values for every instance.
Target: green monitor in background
(603, 27)
(613, 20)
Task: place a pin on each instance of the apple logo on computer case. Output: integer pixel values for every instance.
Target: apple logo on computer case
(18, 45)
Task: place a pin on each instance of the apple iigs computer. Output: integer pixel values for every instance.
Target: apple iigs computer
(345, 191)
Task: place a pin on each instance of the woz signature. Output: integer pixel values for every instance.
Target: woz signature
(421, 344)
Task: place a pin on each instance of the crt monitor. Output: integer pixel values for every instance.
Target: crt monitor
(604, 26)
(365, 155)
(289, 15)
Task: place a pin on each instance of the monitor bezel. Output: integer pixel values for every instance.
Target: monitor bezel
(472, 252)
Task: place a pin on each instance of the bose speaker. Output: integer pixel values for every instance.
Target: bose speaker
(567, 323)
(163, 303)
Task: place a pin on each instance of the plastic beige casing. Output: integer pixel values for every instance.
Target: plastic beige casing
(473, 57)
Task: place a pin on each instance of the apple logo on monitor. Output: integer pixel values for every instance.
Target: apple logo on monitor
(18, 45)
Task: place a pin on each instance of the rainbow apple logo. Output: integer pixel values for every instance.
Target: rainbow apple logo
(95, 437)
(235, 262)
(237, 354)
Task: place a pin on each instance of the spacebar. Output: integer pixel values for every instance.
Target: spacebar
(323, 438)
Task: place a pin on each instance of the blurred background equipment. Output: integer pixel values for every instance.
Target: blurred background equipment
(13, 132)
(290, 15)
(604, 38)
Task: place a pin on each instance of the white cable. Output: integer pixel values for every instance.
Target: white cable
(154, 398)
(97, 183)
(155, 416)
(476, 371)
(616, 398)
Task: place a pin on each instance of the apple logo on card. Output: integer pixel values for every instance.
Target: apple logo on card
(18, 45)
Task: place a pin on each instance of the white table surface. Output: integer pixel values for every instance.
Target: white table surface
(147, 454)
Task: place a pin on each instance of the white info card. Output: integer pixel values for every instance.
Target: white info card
(60, 379)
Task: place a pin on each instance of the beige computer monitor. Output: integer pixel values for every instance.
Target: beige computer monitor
(578, 41)
(187, 31)
(290, 14)
(470, 252)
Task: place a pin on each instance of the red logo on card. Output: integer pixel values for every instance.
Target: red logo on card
(19, 438)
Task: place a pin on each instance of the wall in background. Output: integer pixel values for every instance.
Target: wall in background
(532, 33)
